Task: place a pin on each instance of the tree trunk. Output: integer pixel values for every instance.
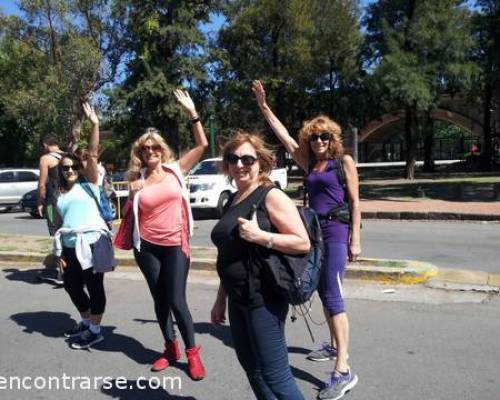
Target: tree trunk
(428, 143)
(411, 142)
(487, 150)
(74, 137)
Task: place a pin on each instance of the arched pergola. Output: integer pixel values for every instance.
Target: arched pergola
(372, 128)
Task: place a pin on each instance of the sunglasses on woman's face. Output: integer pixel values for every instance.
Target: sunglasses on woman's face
(325, 137)
(155, 147)
(246, 159)
(74, 167)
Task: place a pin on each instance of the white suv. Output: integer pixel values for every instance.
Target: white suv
(14, 183)
(209, 188)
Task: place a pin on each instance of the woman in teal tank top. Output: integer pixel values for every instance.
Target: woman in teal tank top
(82, 227)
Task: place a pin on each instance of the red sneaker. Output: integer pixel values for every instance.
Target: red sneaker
(172, 350)
(171, 353)
(196, 369)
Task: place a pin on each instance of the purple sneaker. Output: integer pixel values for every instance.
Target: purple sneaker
(338, 385)
(325, 353)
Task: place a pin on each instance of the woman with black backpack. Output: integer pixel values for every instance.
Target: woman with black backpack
(260, 218)
(333, 190)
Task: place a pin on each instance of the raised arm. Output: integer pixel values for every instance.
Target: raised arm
(278, 128)
(189, 159)
(91, 171)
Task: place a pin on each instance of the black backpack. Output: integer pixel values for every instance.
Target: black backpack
(295, 277)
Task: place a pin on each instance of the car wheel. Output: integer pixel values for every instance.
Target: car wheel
(223, 198)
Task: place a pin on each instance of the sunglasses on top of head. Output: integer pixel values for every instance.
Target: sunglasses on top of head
(246, 159)
(154, 147)
(74, 167)
(325, 137)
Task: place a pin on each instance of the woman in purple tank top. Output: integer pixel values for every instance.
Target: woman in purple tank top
(320, 154)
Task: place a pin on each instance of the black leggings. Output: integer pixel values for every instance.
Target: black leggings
(165, 269)
(75, 279)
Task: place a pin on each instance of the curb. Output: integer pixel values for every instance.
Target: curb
(428, 215)
(383, 271)
(380, 270)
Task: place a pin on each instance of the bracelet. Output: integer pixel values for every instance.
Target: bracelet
(269, 244)
(195, 120)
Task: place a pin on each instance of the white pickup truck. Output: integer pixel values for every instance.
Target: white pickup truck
(209, 188)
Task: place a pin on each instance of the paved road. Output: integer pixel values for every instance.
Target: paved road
(401, 349)
(468, 245)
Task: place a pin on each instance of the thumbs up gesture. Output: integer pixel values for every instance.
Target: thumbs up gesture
(249, 228)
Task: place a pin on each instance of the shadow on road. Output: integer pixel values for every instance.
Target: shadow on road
(131, 390)
(223, 332)
(54, 324)
(31, 276)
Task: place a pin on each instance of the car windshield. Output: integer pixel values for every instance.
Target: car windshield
(207, 168)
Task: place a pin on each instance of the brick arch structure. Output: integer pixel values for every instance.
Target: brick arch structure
(469, 124)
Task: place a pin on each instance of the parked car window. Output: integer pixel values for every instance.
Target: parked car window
(207, 168)
(26, 176)
(7, 176)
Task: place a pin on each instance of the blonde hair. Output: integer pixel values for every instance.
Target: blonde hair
(264, 154)
(136, 160)
(320, 124)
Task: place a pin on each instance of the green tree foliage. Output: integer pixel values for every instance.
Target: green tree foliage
(487, 32)
(421, 48)
(51, 59)
(164, 50)
(305, 51)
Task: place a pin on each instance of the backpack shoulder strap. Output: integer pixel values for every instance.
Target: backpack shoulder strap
(55, 154)
(86, 186)
(264, 191)
(341, 172)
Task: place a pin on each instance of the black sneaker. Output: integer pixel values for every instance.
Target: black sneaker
(52, 276)
(87, 339)
(77, 330)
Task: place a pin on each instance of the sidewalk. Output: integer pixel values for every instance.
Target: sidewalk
(13, 248)
(412, 208)
(384, 271)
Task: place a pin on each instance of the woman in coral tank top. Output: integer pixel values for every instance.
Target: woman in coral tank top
(163, 224)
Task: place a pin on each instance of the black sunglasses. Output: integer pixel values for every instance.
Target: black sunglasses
(74, 167)
(246, 159)
(325, 137)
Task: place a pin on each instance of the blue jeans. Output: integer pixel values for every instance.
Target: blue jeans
(259, 341)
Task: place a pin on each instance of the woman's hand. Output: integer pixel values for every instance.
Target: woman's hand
(60, 263)
(135, 186)
(260, 93)
(186, 102)
(249, 229)
(90, 113)
(218, 312)
(354, 251)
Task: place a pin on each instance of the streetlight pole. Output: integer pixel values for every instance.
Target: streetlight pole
(355, 144)
(211, 132)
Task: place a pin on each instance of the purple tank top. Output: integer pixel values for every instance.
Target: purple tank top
(326, 192)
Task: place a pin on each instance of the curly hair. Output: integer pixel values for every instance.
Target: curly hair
(318, 124)
(264, 154)
(136, 160)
